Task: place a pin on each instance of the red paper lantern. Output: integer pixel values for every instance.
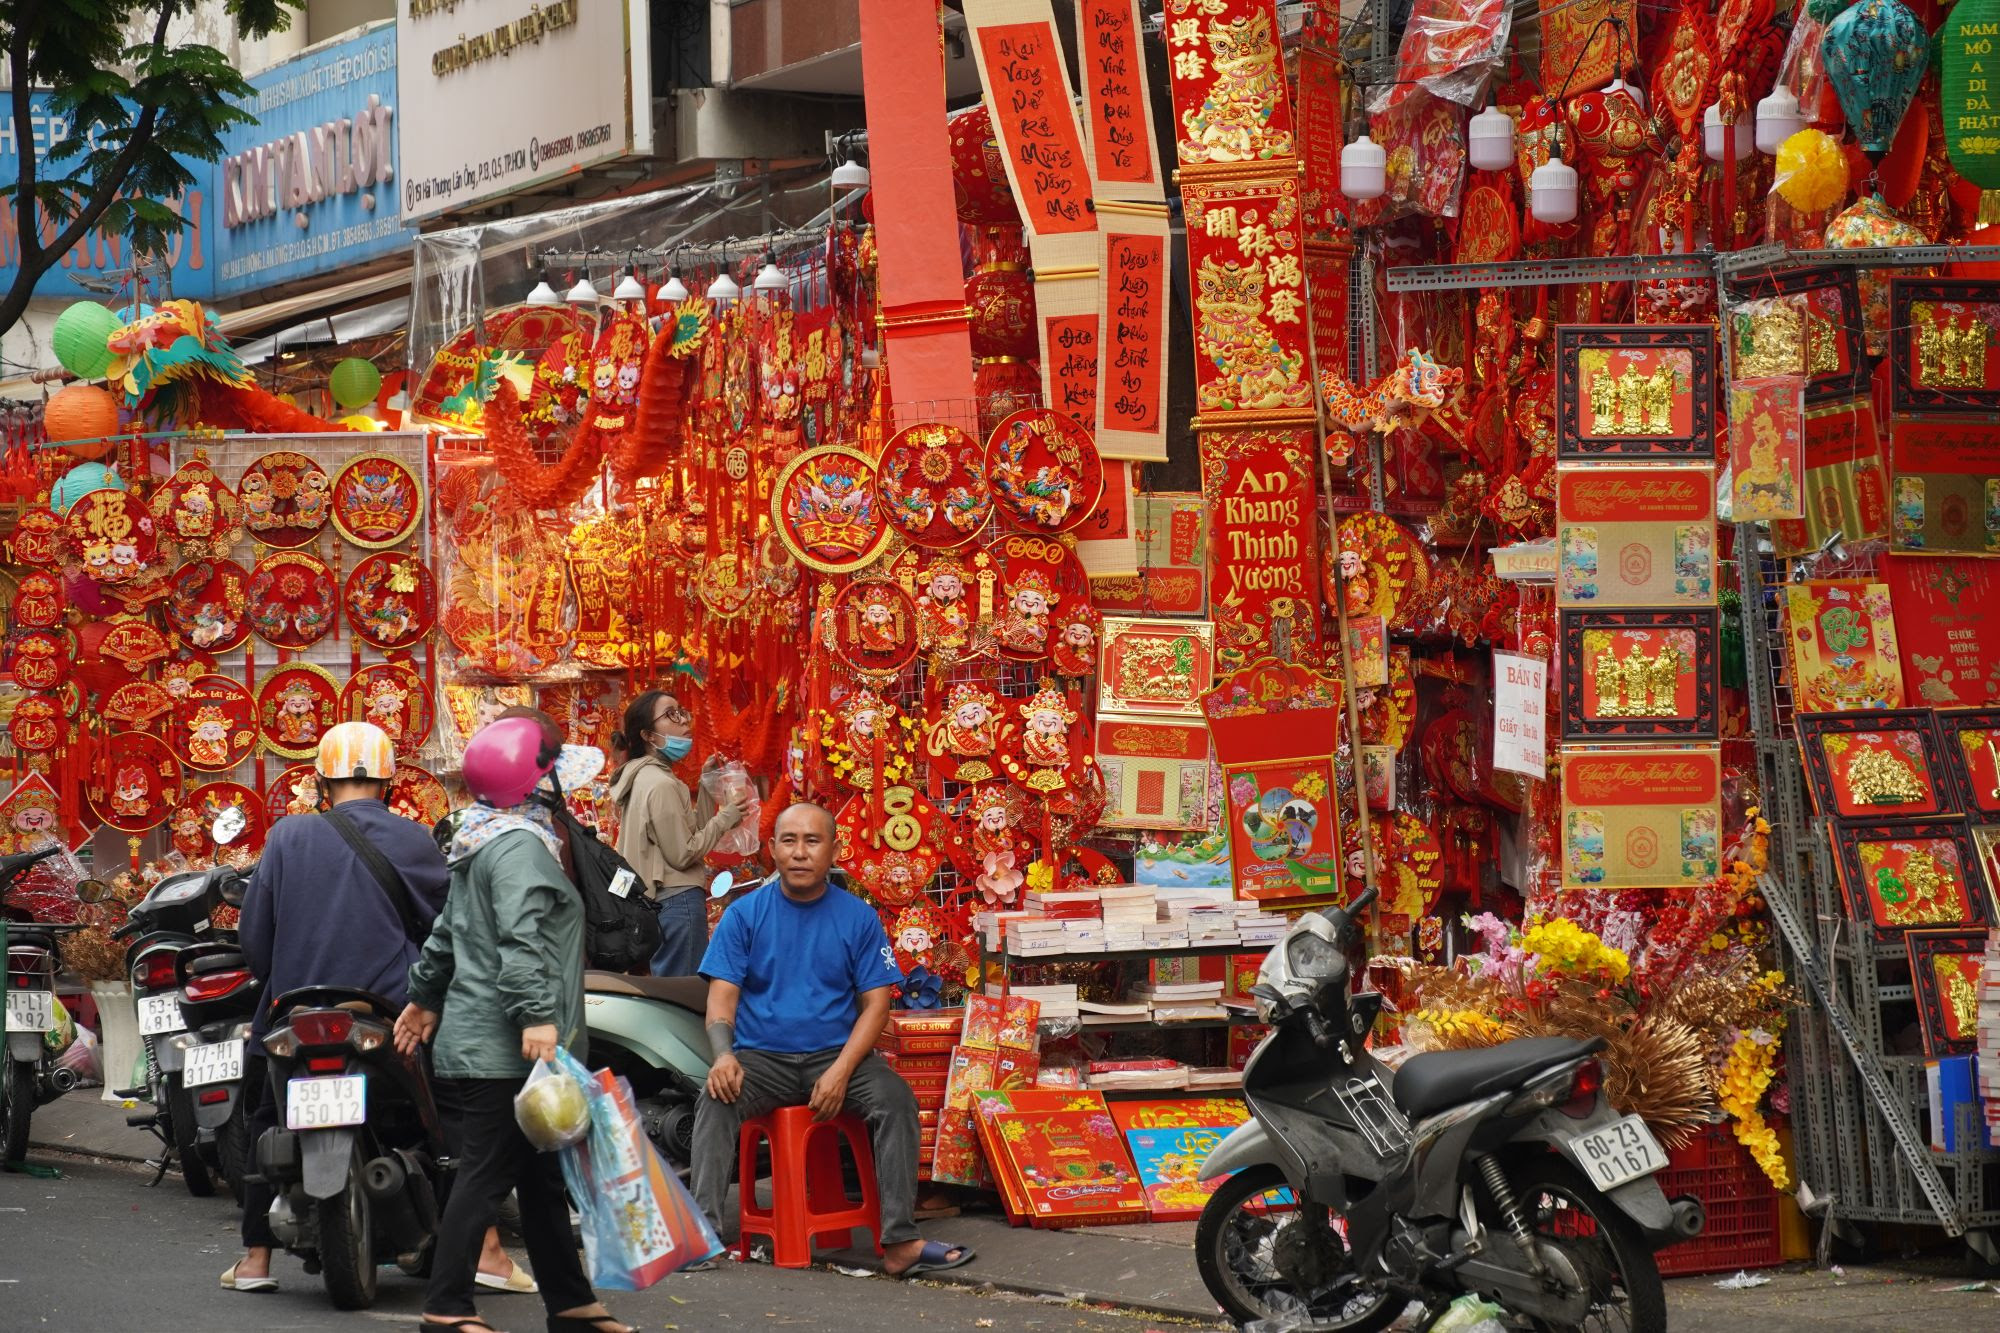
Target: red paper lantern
(85, 413)
(978, 172)
(1002, 301)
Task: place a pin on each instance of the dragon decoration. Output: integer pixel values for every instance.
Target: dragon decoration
(628, 414)
(1406, 396)
(172, 361)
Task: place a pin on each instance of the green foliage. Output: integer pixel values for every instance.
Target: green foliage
(155, 106)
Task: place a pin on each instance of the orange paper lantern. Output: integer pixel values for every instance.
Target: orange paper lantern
(84, 413)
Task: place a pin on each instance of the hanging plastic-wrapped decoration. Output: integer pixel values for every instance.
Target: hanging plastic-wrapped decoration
(1865, 224)
(1876, 53)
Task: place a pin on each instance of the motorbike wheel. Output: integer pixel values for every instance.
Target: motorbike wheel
(20, 1076)
(187, 1143)
(1250, 1232)
(347, 1246)
(232, 1150)
(1564, 1209)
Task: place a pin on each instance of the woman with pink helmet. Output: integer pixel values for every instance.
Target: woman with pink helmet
(499, 986)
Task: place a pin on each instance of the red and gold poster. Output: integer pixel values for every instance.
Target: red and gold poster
(1641, 817)
(1124, 156)
(1844, 649)
(1766, 447)
(1247, 264)
(1262, 536)
(1134, 269)
(1028, 93)
(1950, 653)
(1846, 488)
(1169, 1141)
(1172, 535)
(1230, 107)
(1635, 536)
(1946, 493)
(1154, 668)
(1156, 773)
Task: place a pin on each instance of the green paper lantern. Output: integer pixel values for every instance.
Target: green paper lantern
(1969, 90)
(79, 337)
(354, 382)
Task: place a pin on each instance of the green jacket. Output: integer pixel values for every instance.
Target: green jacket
(505, 955)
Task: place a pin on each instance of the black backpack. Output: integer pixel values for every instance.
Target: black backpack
(620, 934)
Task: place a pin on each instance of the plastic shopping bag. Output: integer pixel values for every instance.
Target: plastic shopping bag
(639, 1223)
(1469, 1314)
(553, 1106)
(732, 781)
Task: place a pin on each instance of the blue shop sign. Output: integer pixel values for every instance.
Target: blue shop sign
(310, 187)
(100, 257)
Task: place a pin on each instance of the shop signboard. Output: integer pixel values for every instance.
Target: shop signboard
(95, 267)
(310, 185)
(500, 95)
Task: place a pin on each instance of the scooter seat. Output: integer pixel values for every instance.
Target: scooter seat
(1436, 1080)
(689, 993)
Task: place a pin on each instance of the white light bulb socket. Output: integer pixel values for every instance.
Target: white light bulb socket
(1778, 119)
(1490, 140)
(1364, 170)
(1552, 192)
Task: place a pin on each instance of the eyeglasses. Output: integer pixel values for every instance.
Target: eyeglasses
(671, 712)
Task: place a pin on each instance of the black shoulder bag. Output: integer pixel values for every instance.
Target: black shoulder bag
(385, 874)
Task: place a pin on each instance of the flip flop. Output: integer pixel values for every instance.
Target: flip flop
(231, 1282)
(517, 1281)
(933, 1258)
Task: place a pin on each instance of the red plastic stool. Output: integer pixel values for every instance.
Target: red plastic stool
(808, 1192)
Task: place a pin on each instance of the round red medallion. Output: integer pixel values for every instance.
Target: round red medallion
(291, 597)
(286, 498)
(1044, 470)
(207, 605)
(391, 600)
(296, 703)
(215, 724)
(377, 501)
(393, 697)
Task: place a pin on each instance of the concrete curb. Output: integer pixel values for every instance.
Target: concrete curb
(967, 1277)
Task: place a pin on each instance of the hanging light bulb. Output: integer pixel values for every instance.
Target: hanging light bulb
(1778, 119)
(1552, 192)
(543, 294)
(673, 290)
(724, 288)
(1620, 86)
(629, 289)
(1713, 142)
(1490, 140)
(850, 175)
(1364, 170)
(583, 293)
(771, 278)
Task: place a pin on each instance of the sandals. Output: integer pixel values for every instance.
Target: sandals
(231, 1282)
(517, 1281)
(471, 1321)
(577, 1323)
(935, 1257)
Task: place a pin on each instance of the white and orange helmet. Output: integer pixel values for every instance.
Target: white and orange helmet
(352, 750)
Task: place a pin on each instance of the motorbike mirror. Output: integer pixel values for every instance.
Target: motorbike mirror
(92, 891)
(228, 826)
(231, 891)
(721, 884)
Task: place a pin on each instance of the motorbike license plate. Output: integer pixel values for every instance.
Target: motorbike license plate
(218, 1062)
(160, 1014)
(1622, 1151)
(30, 1010)
(326, 1103)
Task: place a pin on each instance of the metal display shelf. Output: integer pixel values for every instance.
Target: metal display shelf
(1171, 1025)
(1009, 957)
(1550, 272)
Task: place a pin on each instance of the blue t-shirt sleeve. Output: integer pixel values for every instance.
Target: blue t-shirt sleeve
(873, 963)
(727, 958)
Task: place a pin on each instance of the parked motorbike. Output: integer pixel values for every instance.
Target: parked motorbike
(33, 959)
(357, 1163)
(1353, 1191)
(177, 914)
(652, 1031)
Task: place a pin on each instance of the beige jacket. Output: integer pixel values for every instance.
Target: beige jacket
(661, 830)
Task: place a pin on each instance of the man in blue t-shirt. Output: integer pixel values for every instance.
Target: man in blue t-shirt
(799, 979)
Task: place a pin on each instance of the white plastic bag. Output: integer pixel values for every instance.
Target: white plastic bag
(553, 1107)
(727, 782)
(1469, 1314)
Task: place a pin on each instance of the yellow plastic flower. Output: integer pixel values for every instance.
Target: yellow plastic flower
(1041, 876)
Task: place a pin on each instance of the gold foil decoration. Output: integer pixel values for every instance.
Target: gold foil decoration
(1637, 685)
(1631, 403)
(1877, 777)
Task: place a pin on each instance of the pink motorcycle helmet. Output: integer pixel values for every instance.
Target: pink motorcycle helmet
(506, 761)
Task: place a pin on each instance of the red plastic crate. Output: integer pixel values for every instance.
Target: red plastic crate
(1742, 1205)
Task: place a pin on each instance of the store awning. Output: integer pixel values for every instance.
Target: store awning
(254, 318)
(366, 321)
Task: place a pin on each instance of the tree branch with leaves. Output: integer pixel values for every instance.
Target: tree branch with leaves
(139, 112)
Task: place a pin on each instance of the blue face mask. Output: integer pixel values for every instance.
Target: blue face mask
(673, 749)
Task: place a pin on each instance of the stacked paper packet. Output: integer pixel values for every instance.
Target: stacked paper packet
(1989, 1029)
(1065, 905)
(992, 926)
(1214, 1076)
(1167, 934)
(1209, 926)
(1056, 1001)
(1128, 909)
(1033, 936)
(1183, 1002)
(1137, 1074)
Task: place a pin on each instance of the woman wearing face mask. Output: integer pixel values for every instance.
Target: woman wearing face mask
(663, 832)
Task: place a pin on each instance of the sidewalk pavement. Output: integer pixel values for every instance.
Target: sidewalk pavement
(1150, 1268)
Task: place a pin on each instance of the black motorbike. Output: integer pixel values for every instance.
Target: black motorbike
(33, 960)
(219, 999)
(1354, 1191)
(357, 1160)
(176, 915)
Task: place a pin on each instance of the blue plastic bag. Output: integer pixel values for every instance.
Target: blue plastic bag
(639, 1222)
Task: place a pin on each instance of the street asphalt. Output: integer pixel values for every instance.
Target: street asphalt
(95, 1248)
